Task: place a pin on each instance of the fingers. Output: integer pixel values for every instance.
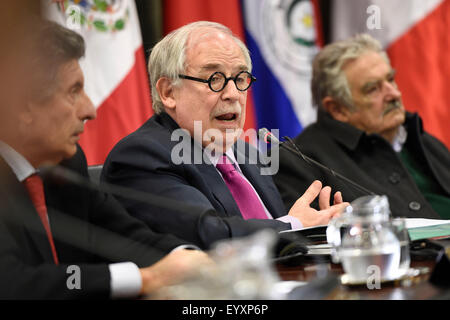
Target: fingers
(324, 198)
(311, 193)
(337, 209)
(333, 211)
(338, 198)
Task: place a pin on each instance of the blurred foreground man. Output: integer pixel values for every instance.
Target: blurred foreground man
(59, 240)
(364, 133)
(200, 75)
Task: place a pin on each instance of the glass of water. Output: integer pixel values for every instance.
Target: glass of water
(400, 230)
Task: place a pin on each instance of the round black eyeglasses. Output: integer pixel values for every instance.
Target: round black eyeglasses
(218, 81)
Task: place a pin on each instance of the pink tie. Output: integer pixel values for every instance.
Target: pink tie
(35, 189)
(243, 193)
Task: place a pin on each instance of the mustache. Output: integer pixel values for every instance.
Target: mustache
(235, 108)
(392, 105)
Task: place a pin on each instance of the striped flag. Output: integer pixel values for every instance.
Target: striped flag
(114, 69)
(283, 38)
(180, 12)
(415, 35)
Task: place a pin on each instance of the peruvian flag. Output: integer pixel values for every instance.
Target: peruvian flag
(415, 34)
(180, 12)
(114, 69)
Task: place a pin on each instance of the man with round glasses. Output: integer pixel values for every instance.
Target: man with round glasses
(218, 81)
(199, 75)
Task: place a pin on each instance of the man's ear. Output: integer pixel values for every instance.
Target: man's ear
(26, 113)
(338, 111)
(166, 92)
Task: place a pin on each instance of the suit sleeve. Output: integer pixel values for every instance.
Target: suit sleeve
(114, 235)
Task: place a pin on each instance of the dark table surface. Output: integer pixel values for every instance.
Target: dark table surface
(410, 288)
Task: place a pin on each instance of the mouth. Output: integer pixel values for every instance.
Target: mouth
(77, 135)
(228, 117)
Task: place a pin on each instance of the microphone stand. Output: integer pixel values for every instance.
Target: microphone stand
(295, 150)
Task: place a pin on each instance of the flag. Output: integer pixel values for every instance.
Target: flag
(283, 37)
(114, 69)
(181, 12)
(415, 35)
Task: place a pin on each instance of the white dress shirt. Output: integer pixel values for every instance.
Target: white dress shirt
(399, 139)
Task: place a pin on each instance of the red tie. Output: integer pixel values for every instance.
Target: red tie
(243, 193)
(35, 189)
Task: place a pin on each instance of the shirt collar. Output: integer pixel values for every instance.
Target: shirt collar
(230, 155)
(399, 139)
(350, 136)
(19, 165)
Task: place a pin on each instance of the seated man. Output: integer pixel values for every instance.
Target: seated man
(364, 133)
(199, 76)
(54, 232)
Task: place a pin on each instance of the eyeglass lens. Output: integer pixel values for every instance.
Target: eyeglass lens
(218, 81)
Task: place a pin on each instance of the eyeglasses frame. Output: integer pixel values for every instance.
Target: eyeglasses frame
(208, 81)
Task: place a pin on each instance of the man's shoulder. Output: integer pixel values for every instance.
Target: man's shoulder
(147, 148)
(153, 134)
(313, 132)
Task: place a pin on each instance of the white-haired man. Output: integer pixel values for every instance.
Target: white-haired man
(200, 74)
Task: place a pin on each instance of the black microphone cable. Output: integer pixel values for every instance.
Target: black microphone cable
(268, 137)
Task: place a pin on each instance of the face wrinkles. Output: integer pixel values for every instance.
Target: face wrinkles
(375, 95)
(213, 51)
(58, 121)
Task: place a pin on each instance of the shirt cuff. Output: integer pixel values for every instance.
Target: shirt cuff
(295, 223)
(126, 281)
(187, 247)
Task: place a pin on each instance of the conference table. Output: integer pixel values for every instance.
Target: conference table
(410, 288)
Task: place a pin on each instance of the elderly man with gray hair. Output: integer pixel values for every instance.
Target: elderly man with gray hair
(364, 133)
(200, 74)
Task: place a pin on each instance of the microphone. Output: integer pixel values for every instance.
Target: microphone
(268, 137)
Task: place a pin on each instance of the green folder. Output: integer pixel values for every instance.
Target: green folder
(436, 231)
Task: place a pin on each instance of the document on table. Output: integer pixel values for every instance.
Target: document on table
(418, 228)
(427, 228)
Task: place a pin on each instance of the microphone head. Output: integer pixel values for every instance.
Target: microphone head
(267, 136)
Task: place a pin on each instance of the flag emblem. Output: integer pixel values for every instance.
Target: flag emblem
(290, 35)
(98, 15)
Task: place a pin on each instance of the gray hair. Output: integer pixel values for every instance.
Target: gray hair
(52, 46)
(168, 56)
(328, 78)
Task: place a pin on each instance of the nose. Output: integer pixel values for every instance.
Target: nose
(87, 109)
(230, 92)
(392, 90)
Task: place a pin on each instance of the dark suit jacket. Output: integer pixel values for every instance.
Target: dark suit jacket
(90, 230)
(368, 160)
(207, 211)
